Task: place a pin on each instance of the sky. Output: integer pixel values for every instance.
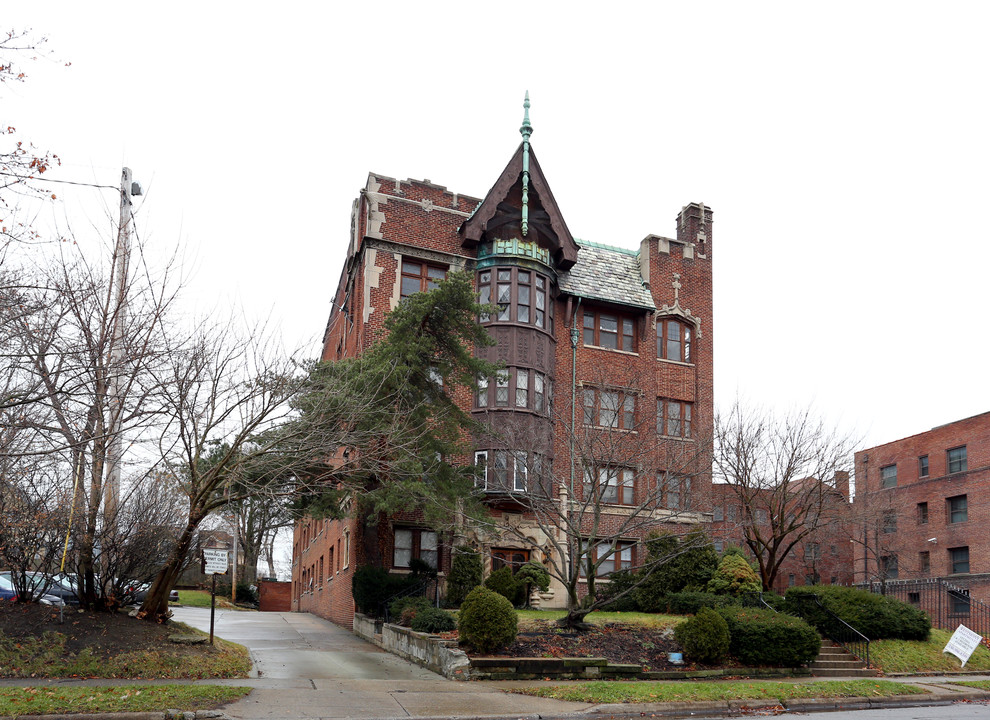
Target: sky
(843, 147)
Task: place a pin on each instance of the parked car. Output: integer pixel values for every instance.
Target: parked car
(9, 592)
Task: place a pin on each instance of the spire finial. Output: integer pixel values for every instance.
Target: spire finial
(527, 129)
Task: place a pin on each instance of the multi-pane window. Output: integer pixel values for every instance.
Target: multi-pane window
(888, 566)
(888, 476)
(923, 466)
(922, 513)
(520, 388)
(718, 514)
(890, 522)
(959, 559)
(609, 408)
(674, 418)
(956, 459)
(812, 553)
(609, 330)
(610, 485)
(507, 470)
(412, 543)
(677, 489)
(958, 509)
(521, 296)
(674, 340)
(481, 463)
(520, 476)
(419, 277)
(608, 556)
(924, 562)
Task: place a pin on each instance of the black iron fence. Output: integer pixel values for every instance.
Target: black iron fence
(948, 605)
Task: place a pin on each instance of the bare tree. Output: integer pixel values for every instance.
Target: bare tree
(626, 475)
(781, 470)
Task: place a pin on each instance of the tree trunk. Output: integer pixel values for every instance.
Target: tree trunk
(155, 605)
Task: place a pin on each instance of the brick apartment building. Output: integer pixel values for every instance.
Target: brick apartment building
(921, 508)
(823, 556)
(618, 339)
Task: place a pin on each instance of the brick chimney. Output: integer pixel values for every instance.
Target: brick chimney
(841, 480)
(694, 227)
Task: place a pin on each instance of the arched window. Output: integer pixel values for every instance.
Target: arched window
(674, 339)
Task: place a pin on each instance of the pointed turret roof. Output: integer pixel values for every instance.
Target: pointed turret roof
(524, 169)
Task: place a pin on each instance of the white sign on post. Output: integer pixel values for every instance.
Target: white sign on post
(962, 643)
(216, 561)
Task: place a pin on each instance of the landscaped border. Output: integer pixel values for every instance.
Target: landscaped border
(443, 657)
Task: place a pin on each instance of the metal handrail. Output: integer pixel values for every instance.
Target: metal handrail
(384, 607)
(848, 637)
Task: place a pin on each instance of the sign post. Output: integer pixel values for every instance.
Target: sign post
(214, 563)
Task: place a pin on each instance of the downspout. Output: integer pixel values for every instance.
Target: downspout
(575, 336)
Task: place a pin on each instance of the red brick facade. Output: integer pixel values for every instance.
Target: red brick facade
(921, 507)
(612, 301)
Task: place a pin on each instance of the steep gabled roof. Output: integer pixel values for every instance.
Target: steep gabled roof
(609, 274)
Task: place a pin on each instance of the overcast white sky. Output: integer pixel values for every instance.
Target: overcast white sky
(843, 147)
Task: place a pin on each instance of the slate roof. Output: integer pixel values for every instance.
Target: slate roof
(609, 274)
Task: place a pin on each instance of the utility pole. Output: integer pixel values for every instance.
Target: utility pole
(121, 262)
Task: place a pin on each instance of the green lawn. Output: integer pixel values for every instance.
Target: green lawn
(19, 701)
(915, 656)
(684, 691)
(602, 618)
(201, 599)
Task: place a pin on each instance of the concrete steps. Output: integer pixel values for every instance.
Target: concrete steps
(834, 661)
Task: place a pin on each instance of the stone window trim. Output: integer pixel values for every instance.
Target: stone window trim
(675, 339)
(610, 330)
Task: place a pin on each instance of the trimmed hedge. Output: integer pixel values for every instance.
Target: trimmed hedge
(433, 620)
(373, 586)
(763, 637)
(878, 617)
(465, 574)
(690, 603)
(705, 637)
(487, 620)
(505, 584)
(404, 609)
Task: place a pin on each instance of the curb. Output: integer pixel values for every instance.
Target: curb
(158, 715)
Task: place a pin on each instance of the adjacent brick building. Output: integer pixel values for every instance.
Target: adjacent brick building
(618, 339)
(921, 507)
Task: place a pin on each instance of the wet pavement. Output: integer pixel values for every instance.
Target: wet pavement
(306, 667)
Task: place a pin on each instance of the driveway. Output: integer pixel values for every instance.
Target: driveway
(307, 667)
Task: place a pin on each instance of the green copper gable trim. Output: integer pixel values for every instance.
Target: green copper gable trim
(526, 130)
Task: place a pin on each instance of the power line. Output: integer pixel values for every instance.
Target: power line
(63, 182)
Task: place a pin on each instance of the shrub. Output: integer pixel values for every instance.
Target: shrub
(691, 602)
(373, 586)
(705, 637)
(465, 574)
(406, 608)
(530, 575)
(876, 616)
(617, 582)
(764, 637)
(505, 584)
(685, 563)
(433, 620)
(487, 620)
(734, 577)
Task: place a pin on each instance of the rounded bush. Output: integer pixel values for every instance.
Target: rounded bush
(404, 609)
(734, 577)
(763, 637)
(433, 620)
(705, 637)
(505, 584)
(487, 620)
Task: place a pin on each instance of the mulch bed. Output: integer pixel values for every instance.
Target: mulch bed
(623, 644)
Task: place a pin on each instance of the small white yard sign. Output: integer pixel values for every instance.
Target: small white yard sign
(962, 643)
(216, 561)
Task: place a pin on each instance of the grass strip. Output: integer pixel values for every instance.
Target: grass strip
(46, 657)
(913, 656)
(680, 691)
(122, 698)
(201, 599)
(978, 684)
